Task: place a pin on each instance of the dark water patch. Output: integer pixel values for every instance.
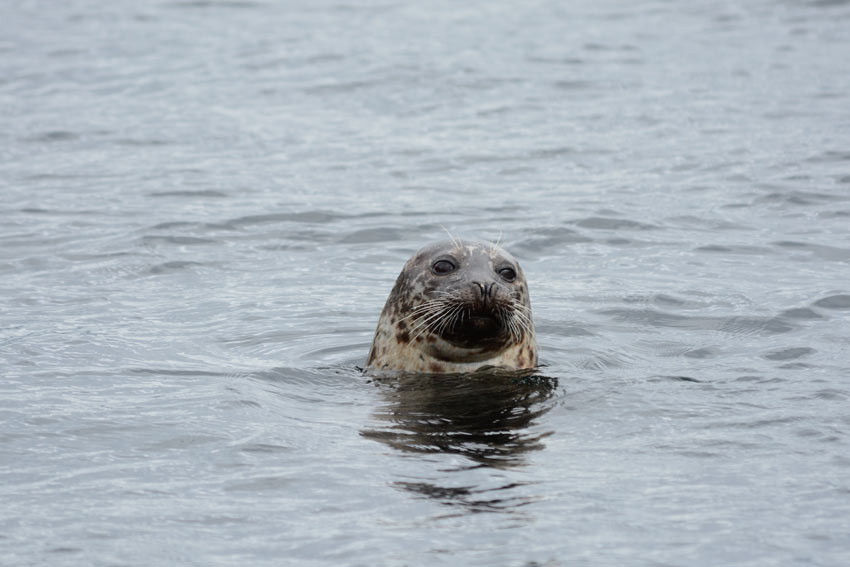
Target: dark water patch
(734, 325)
(547, 239)
(559, 152)
(838, 301)
(796, 366)
(240, 404)
(214, 4)
(802, 313)
(830, 156)
(760, 378)
(68, 176)
(193, 226)
(307, 217)
(516, 171)
(701, 353)
(63, 550)
(156, 371)
(824, 252)
(469, 499)
(799, 198)
(264, 448)
(661, 378)
(831, 394)
(182, 442)
(733, 249)
(761, 423)
(828, 3)
(573, 85)
(62, 212)
(568, 61)
(713, 224)
(603, 223)
(684, 350)
(179, 240)
(174, 266)
(260, 485)
(371, 235)
(553, 153)
(191, 194)
(150, 142)
(304, 241)
(486, 416)
(791, 353)
(54, 136)
(340, 87)
(596, 46)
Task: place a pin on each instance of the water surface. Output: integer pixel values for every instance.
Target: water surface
(205, 205)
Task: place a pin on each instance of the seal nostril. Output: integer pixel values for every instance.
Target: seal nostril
(481, 288)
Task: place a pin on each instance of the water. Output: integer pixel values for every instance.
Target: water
(205, 205)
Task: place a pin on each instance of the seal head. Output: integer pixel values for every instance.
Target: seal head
(455, 307)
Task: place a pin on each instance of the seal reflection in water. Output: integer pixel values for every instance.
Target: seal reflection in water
(456, 307)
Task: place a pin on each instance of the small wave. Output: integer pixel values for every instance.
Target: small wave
(735, 325)
(838, 301)
(176, 266)
(191, 194)
(605, 223)
(791, 353)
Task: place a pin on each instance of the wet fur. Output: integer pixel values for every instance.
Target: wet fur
(425, 325)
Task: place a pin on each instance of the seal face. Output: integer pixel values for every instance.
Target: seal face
(455, 307)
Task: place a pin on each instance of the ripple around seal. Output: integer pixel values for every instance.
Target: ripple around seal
(484, 416)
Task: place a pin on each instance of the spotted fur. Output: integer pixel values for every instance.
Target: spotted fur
(457, 322)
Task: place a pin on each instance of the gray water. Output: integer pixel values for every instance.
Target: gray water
(205, 204)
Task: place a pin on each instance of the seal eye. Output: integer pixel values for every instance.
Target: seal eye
(443, 267)
(508, 274)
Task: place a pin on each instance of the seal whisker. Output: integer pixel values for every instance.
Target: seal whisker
(454, 240)
(427, 319)
(428, 306)
(457, 317)
(495, 247)
(430, 319)
(513, 326)
(449, 316)
(523, 320)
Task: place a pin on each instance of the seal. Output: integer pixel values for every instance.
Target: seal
(456, 306)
